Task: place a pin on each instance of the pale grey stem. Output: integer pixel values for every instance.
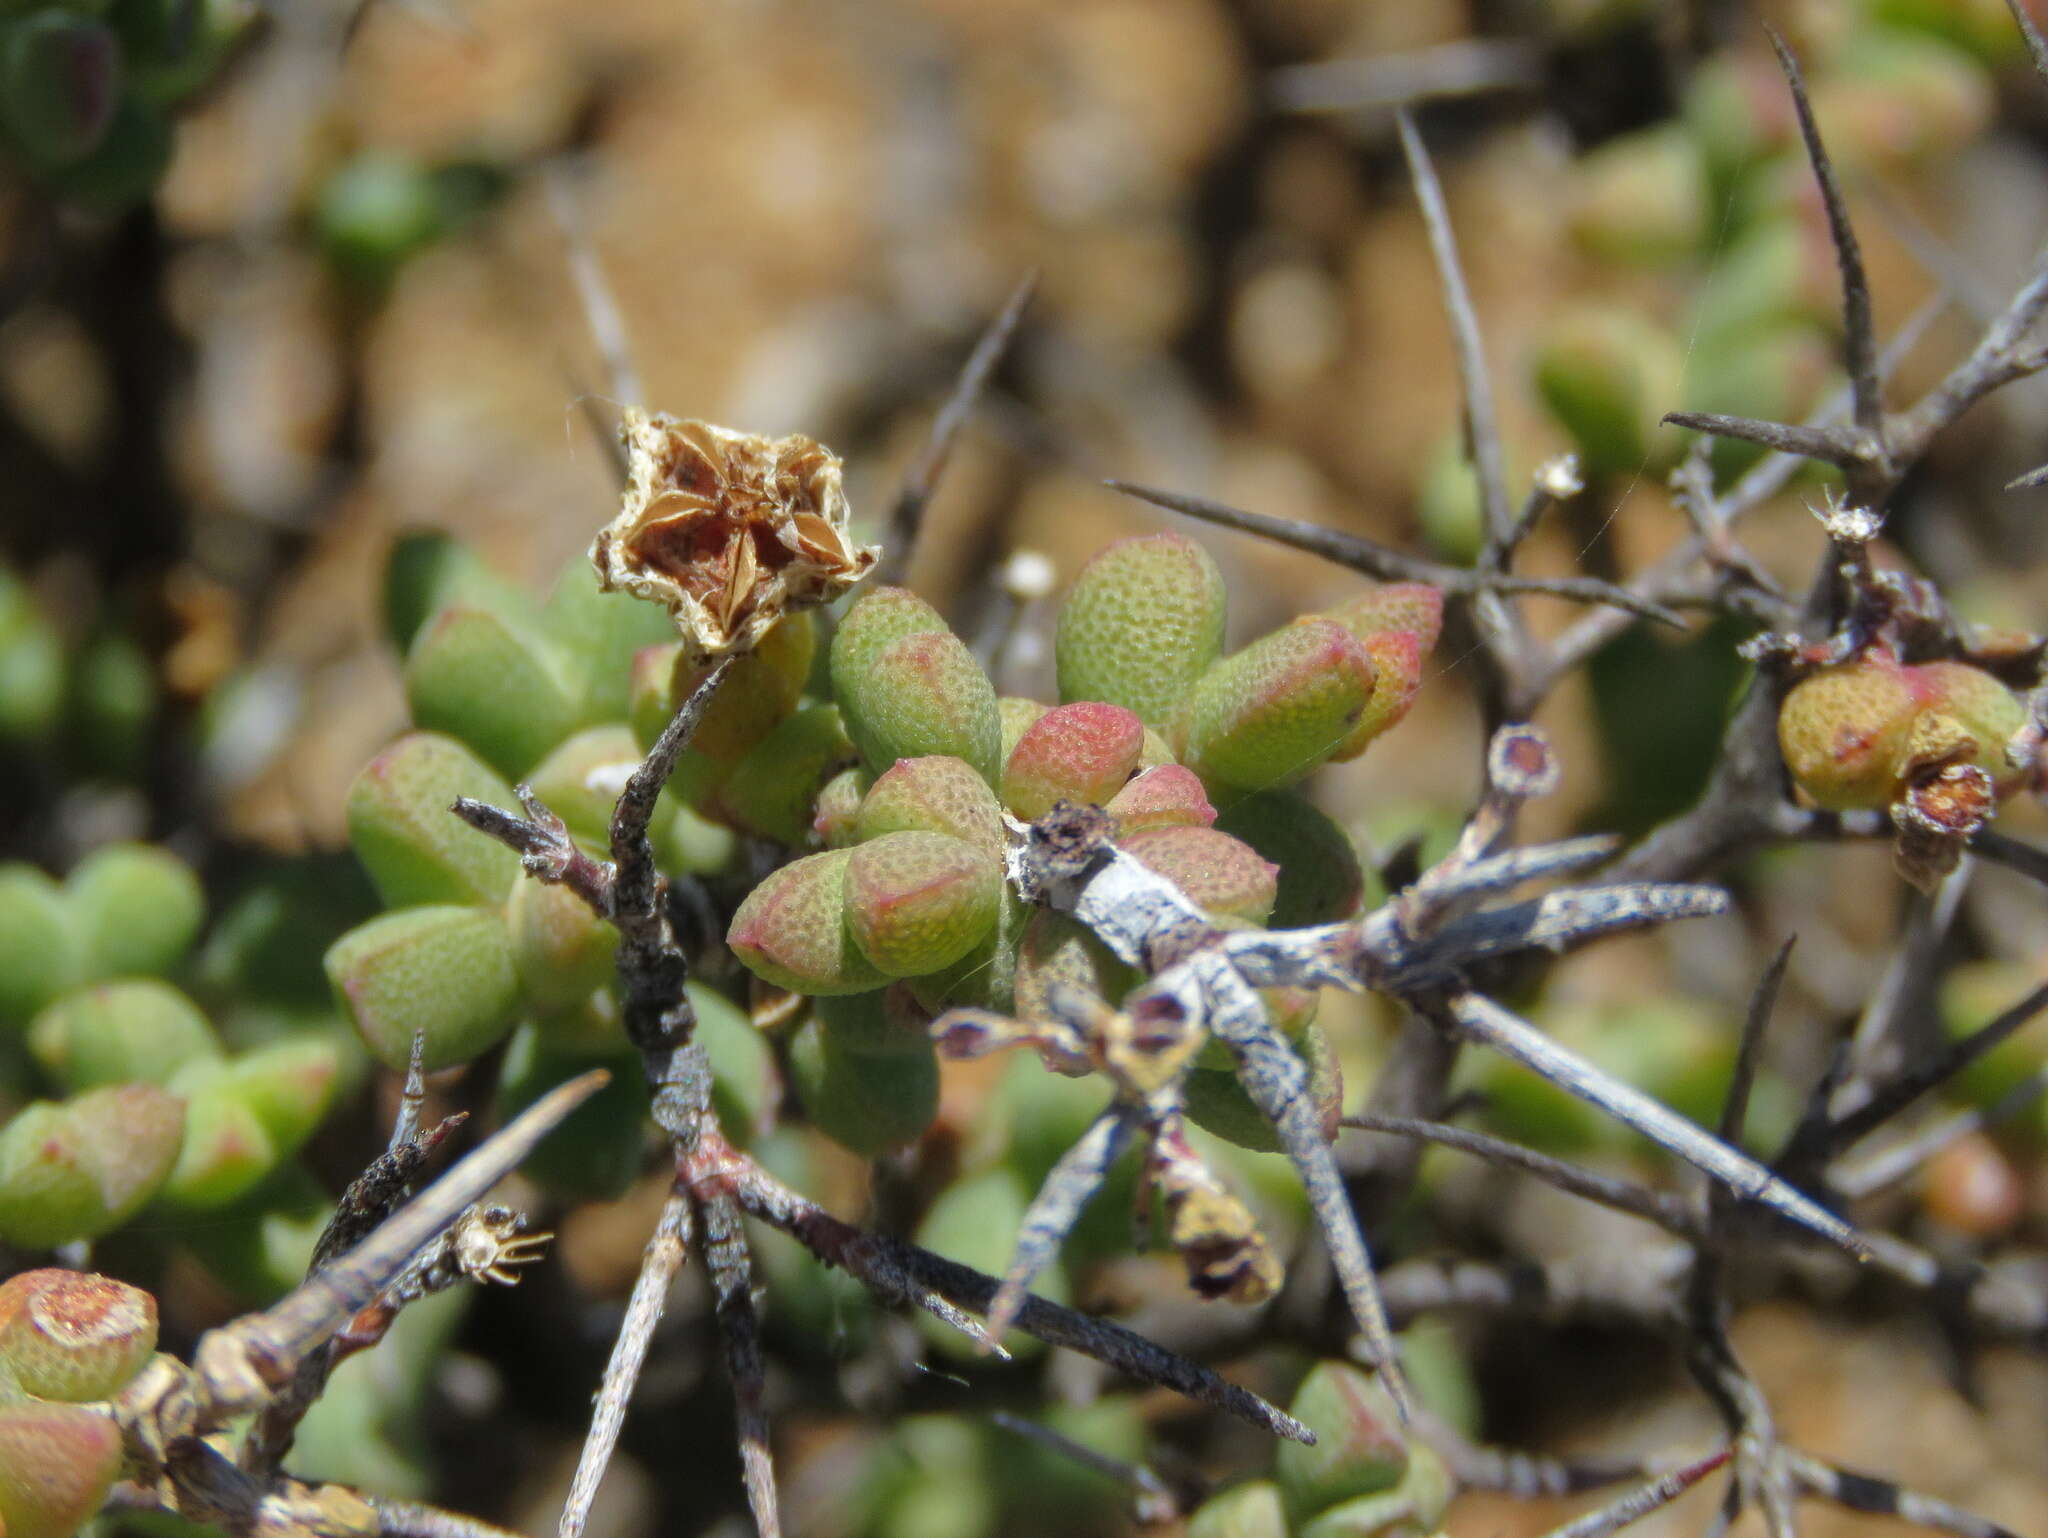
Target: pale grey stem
(1510, 1035)
(1278, 1083)
(600, 308)
(1073, 1180)
(1639, 1503)
(1661, 1208)
(660, 1262)
(1481, 427)
(1880, 1497)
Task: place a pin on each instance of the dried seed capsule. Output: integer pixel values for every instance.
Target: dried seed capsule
(1319, 878)
(1082, 753)
(1243, 1511)
(60, 83)
(866, 1072)
(40, 954)
(57, 1462)
(492, 681)
(791, 930)
(1141, 623)
(444, 970)
(136, 909)
(563, 951)
(923, 694)
(727, 531)
(399, 824)
(1843, 731)
(1359, 1449)
(774, 790)
(1217, 872)
(916, 902)
(1168, 796)
(72, 1336)
(77, 1169)
(1608, 375)
(120, 1032)
(1268, 715)
(933, 794)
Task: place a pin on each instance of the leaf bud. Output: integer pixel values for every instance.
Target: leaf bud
(118, 1032)
(1141, 623)
(415, 849)
(135, 908)
(933, 794)
(916, 902)
(77, 1169)
(1269, 714)
(444, 970)
(1083, 752)
(791, 929)
(57, 1463)
(72, 1336)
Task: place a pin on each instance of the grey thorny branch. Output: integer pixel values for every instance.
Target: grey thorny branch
(1419, 949)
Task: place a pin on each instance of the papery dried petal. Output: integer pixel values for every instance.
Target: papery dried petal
(728, 531)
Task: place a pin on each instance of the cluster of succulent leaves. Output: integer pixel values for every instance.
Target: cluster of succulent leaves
(155, 1105)
(889, 756)
(88, 88)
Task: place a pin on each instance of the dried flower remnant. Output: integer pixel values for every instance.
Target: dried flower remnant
(728, 531)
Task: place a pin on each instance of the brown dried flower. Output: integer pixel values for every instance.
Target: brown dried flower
(728, 531)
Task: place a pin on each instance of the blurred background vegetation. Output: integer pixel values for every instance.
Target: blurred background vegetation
(280, 282)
